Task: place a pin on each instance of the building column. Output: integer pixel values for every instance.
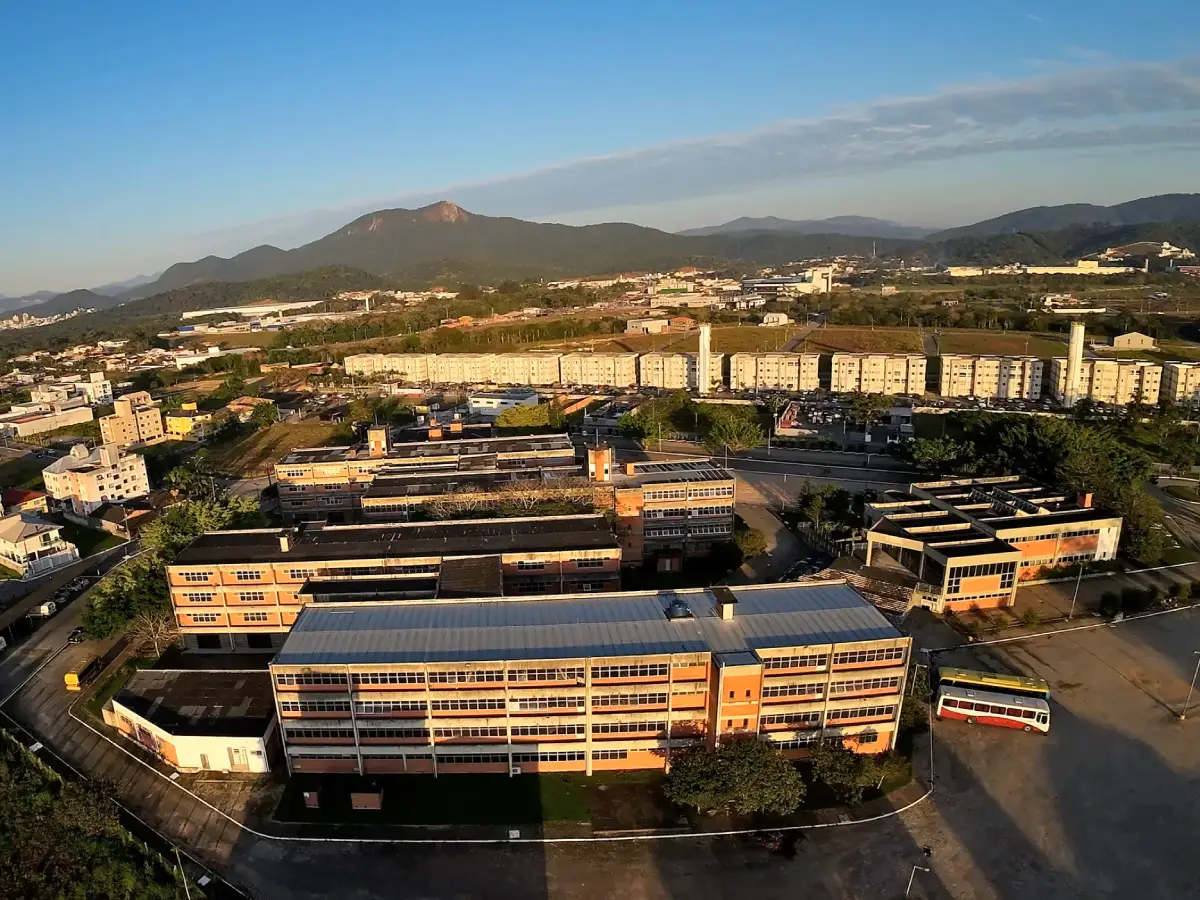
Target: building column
(354, 721)
(587, 716)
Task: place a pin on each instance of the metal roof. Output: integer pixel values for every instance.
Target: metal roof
(581, 625)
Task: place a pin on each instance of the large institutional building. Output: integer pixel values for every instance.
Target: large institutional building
(241, 590)
(585, 683)
(971, 541)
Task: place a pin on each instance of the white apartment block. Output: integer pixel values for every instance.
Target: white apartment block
(877, 373)
(95, 389)
(84, 480)
(774, 372)
(461, 368)
(540, 369)
(677, 371)
(1118, 382)
(408, 367)
(991, 377)
(599, 369)
(1181, 383)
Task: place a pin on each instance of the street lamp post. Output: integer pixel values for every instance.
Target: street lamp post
(1191, 689)
(1075, 596)
(913, 875)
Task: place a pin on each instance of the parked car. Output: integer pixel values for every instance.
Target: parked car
(77, 636)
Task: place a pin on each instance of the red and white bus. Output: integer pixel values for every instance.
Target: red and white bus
(990, 708)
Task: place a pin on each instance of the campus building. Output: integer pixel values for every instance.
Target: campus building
(1181, 383)
(328, 483)
(991, 377)
(774, 372)
(585, 683)
(666, 511)
(135, 420)
(241, 590)
(877, 373)
(1117, 382)
(972, 541)
(83, 480)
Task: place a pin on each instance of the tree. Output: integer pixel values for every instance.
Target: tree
(913, 715)
(868, 408)
(850, 774)
(158, 629)
(745, 776)
(528, 419)
(750, 541)
(264, 415)
(187, 520)
(938, 455)
(733, 431)
(134, 589)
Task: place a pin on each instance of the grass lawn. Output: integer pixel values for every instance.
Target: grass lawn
(89, 540)
(861, 339)
(257, 453)
(1008, 343)
(112, 685)
(1183, 492)
(23, 472)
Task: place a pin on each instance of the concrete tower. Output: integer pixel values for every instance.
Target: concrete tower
(704, 360)
(1071, 391)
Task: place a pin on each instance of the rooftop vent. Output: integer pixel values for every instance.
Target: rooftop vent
(677, 609)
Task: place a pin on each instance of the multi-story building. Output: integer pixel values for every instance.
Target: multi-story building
(26, 419)
(877, 373)
(991, 377)
(1118, 382)
(135, 420)
(599, 369)
(96, 390)
(972, 541)
(585, 683)
(678, 371)
(536, 369)
(189, 423)
(462, 368)
(1181, 383)
(666, 511)
(774, 372)
(83, 479)
(408, 367)
(329, 482)
(32, 546)
(241, 590)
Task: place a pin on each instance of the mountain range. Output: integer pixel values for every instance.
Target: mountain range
(857, 226)
(445, 243)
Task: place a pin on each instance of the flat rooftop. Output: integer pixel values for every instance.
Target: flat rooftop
(231, 704)
(581, 625)
(659, 472)
(418, 449)
(341, 542)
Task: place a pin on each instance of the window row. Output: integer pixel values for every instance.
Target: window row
(304, 706)
(630, 700)
(864, 684)
(982, 569)
(811, 661)
(850, 657)
(798, 719)
(861, 712)
(815, 689)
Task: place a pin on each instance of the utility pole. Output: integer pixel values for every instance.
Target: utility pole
(1192, 689)
(1075, 596)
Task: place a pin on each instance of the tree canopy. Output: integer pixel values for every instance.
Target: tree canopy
(744, 776)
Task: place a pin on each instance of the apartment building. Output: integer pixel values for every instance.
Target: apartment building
(95, 389)
(972, 541)
(241, 590)
(188, 423)
(535, 369)
(329, 482)
(599, 369)
(877, 373)
(1181, 383)
(32, 546)
(84, 479)
(991, 377)
(1118, 382)
(666, 511)
(135, 420)
(407, 367)
(678, 371)
(774, 372)
(585, 683)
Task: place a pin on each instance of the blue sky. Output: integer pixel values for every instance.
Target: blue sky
(134, 135)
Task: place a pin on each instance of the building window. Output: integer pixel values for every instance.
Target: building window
(197, 597)
(330, 733)
(813, 690)
(386, 707)
(610, 754)
(812, 661)
(361, 678)
(525, 565)
(571, 674)
(861, 712)
(300, 574)
(794, 720)
(205, 618)
(446, 705)
(644, 671)
(403, 733)
(550, 756)
(862, 656)
(484, 676)
(589, 563)
(247, 575)
(197, 576)
(630, 700)
(252, 597)
(628, 727)
(287, 679)
(256, 617)
(304, 706)
(864, 684)
(536, 703)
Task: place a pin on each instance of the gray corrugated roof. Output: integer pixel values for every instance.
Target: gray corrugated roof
(581, 625)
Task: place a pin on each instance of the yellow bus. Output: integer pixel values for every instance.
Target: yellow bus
(1015, 685)
(83, 674)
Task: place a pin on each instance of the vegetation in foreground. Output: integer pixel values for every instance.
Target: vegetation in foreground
(62, 840)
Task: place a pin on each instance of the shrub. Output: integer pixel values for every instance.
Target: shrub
(1182, 591)
(848, 774)
(746, 776)
(1031, 618)
(1110, 603)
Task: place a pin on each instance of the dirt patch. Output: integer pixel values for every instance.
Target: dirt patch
(856, 339)
(257, 454)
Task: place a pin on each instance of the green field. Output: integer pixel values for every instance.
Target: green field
(1006, 343)
(23, 472)
(861, 339)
